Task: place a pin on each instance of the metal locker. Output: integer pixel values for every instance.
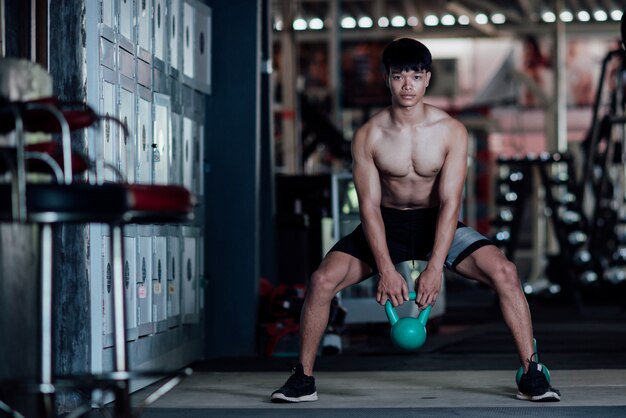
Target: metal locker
(107, 53)
(126, 65)
(173, 280)
(190, 281)
(108, 13)
(108, 143)
(130, 283)
(189, 128)
(202, 55)
(162, 134)
(160, 30)
(201, 273)
(175, 148)
(199, 158)
(159, 283)
(144, 29)
(107, 292)
(144, 286)
(188, 41)
(126, 144)
(144, 138)
(126, 20)
(174, 33)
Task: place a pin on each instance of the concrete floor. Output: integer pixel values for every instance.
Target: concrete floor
(396, 389)
(430, 383)
(466, 368)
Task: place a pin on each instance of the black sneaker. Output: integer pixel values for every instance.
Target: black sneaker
(298, 388)
(534, 386)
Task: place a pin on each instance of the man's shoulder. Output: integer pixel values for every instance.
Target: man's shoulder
(374, 125)
(440, 116)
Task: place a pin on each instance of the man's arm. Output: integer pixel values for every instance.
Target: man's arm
(366, 177)
(451, 183)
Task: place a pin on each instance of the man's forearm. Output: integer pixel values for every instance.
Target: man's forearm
(444, 235)
(374, 230)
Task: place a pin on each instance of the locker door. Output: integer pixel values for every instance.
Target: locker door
(188, 40)
(190, 281)
(108, 143)
(107, 292)
(108, 12)
(126, 144)
(174, 33)
(144, 142)
(130, 283)
(175, 149)
(173, 280)
(188, 157)
(160, 30)
(126, 18)
(144, 286)
(202, 55)
(199, 169)
(159, 283)
(201, 273)
(162, 134)
(144, 28)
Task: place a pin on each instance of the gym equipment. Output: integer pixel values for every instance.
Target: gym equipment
(544, 369)
(407, 333)
(48, 204)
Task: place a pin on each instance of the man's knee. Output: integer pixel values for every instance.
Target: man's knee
(505, 275)
(323, 284)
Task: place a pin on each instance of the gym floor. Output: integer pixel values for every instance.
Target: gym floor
(466, 368)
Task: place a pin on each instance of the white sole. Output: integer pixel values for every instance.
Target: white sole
(546, 397)
(279, 397)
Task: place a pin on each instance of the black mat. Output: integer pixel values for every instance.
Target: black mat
(294, 411)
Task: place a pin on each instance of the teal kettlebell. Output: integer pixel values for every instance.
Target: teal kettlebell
(544, 369)
(407, 333)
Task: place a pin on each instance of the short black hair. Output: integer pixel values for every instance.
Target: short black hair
(407, 54)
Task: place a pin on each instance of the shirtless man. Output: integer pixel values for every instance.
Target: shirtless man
(409, 169)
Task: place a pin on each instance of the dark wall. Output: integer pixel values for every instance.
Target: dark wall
(66, 63)
(232, 227)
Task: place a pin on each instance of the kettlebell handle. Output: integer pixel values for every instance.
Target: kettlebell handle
(393, 317)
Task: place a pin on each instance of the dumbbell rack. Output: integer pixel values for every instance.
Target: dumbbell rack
(516, 186)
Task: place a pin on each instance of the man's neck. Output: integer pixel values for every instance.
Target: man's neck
(408, 116)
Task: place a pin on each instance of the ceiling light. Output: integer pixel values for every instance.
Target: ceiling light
(616, 15)
(548, 17)
(566, 16)
(412, 21)
(447, 20)
(481, 19)
(316, 23)
(583, 16)
(431, 20)
(366, 22)
(498, 18)
(383, 22)
(600, 15)
(299, 24)
(278, 24)
(463, 20)
(348, 22)
(398, 21)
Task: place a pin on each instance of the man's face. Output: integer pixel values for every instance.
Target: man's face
(407, 87)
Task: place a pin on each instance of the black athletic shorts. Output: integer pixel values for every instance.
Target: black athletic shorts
(410, 236)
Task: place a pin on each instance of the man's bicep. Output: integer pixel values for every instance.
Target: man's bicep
(365, 175)
(454, 171)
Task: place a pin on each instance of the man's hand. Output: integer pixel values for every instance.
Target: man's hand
(428, 286)
(392, 286)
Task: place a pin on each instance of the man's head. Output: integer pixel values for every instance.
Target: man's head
(406, 54)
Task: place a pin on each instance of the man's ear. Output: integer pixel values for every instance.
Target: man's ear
(428, 74)
(387, 79)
